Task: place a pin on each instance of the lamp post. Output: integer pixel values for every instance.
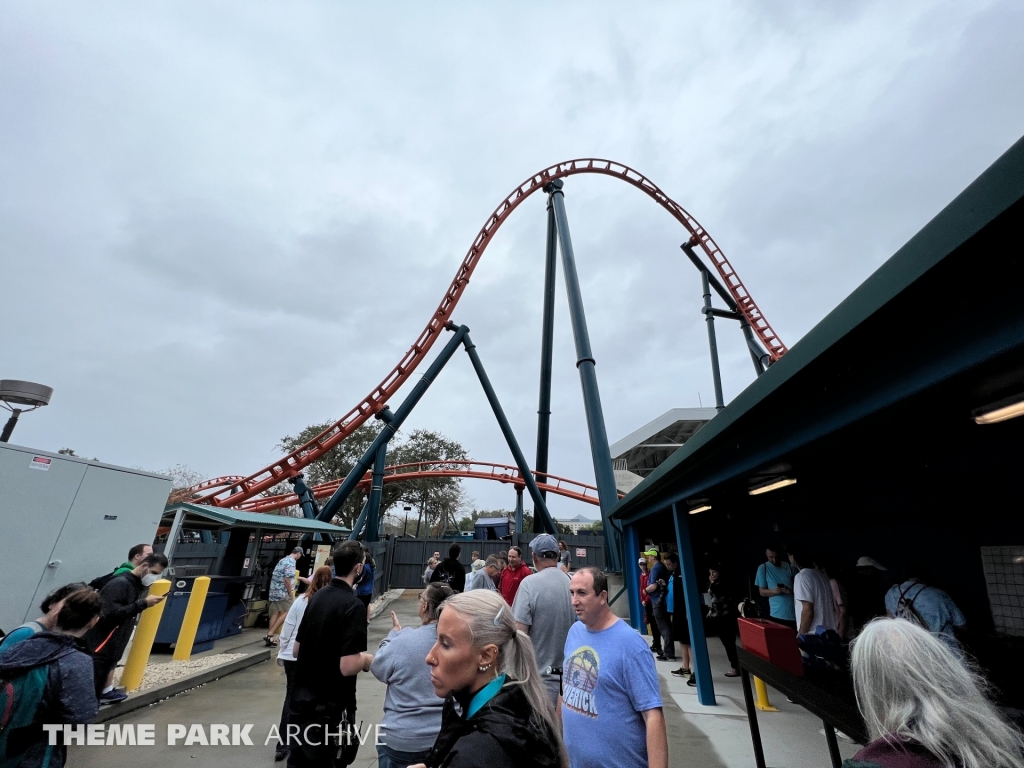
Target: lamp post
(14, 392)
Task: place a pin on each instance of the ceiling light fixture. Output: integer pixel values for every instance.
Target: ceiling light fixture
(701, 508)
(772, 486)
(1001, 411)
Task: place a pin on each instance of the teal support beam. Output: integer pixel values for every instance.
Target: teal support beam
(357, 526)
(376, 489)
(694, 612)
(604, 476)
(632, 579)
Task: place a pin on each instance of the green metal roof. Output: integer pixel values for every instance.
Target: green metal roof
(690, 468)
(233, 518)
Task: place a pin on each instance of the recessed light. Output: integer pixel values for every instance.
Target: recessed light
(701, 508)
(1009, 408)
(772, 486)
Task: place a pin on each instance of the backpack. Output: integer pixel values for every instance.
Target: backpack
(905, 607)
(101, 581)
(19, 700)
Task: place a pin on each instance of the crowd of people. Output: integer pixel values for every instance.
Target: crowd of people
(511, 662)
(59, 667)
(517, 664)
(807, 593)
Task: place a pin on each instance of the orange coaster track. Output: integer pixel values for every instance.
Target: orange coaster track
(479, 470)
(231, 492)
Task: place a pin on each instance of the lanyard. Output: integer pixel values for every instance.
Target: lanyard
(484, 695)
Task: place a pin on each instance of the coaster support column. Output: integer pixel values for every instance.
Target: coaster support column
(607, 493)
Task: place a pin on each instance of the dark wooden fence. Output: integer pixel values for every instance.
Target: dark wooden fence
(407, 558)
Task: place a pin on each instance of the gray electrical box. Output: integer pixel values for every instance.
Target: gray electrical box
(64, 519)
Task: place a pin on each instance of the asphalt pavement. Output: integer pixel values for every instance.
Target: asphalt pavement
(254, 697)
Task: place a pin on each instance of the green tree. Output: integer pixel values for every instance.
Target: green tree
(439, 498)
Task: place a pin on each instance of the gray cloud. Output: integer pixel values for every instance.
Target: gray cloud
(220, 224)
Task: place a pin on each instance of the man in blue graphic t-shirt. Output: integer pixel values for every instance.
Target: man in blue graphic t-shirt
(611, 702)
(774, 580)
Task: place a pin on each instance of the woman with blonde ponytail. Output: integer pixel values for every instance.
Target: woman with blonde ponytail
(496, 710)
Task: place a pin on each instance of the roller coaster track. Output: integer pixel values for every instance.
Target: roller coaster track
(231, 493)
(479, 470)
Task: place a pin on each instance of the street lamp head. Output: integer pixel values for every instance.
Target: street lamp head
(15, 393)
(28, 393)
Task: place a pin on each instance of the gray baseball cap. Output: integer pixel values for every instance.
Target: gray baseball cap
(544, 543)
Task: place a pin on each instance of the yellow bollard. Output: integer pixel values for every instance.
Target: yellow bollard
(145, 633)
(189, 625)
(761, 691)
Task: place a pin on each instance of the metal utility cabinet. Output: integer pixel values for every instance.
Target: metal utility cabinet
(64, 519)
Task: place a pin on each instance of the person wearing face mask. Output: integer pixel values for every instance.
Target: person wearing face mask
(122, 601)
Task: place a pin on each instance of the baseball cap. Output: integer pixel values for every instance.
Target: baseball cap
(642, 561)
(652, 552)
(297, 549)
(870, 562)
(544, 543)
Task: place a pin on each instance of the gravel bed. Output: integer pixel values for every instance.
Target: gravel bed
(167, 672)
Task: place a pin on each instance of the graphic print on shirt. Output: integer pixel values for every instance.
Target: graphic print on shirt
(580, 680)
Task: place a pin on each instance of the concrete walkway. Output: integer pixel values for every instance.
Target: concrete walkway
(698, 736)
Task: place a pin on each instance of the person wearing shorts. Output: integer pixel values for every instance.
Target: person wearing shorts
(282, 583)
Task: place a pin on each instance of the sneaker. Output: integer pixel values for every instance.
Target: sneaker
(692, 682)
(112, 696)
(661, 657)
(681, 672)
(656, 650)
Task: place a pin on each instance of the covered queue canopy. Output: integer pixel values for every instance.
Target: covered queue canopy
(199, 517)
(885, 432)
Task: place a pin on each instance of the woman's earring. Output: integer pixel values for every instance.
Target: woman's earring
(484, 669)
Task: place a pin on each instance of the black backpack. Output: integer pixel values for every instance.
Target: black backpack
(101, 581)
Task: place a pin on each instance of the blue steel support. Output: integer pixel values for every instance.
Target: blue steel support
(392, 425)
(376, 489)
(607, 493)
(520, 513)
(709, 316)
(547, 343)
(632, 579)
(758, 356)
(357, 526)
(540, 508)
(694, 613)
(308, 505)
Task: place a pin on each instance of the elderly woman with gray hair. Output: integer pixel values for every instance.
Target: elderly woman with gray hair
(923, 707)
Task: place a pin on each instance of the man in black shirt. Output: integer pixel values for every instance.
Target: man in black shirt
(450, 571)
(330, 650)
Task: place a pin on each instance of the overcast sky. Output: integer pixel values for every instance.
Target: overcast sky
(220, 223)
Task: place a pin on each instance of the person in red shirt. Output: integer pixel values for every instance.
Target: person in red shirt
(645, 600)
(512, 576)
